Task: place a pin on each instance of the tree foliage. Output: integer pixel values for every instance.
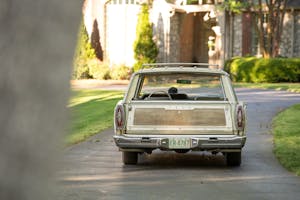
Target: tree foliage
(234, 6)
(145, 49)
(83, 54)
(95, 41)
(86, 62)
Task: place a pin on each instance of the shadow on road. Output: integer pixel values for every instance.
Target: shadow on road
(171, 160)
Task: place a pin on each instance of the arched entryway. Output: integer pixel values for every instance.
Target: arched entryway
(196, 37)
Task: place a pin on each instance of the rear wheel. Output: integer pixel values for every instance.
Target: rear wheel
(130, 158)
(233, 158)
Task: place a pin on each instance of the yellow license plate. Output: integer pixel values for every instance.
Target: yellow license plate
(179, 143)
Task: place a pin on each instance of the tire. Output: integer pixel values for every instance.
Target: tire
(233, 159)
(130, 158)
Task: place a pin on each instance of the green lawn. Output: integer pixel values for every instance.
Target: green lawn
(291, 87)
(286, 129)
(91, 112)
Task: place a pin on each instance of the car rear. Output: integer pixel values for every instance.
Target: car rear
(180, 109)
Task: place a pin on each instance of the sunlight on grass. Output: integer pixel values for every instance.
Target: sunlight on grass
(287, 138)
(82, 96)
(291, 87)
(91, 112)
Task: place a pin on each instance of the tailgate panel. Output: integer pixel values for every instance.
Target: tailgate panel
(182, 118)
(165, 117)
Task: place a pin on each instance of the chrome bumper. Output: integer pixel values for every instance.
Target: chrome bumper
(199, 142)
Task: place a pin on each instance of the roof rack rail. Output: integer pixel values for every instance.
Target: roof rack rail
(178, 65)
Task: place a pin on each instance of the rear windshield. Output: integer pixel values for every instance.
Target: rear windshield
(180, 86)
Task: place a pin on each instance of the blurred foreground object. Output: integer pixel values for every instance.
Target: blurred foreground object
(37, 42)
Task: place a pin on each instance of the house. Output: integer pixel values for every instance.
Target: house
(184, 30)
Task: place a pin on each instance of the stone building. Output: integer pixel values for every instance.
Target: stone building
(189, 33)
(244, 39)
(184, 30)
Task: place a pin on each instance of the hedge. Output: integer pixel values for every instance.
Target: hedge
(262, 70)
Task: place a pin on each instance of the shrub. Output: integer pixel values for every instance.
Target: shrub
(83, 54)
(98, 70)
(120, 72)
(86, 63)
(145, 49)
(261, 70)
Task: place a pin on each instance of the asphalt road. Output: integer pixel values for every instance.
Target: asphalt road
(94, 169)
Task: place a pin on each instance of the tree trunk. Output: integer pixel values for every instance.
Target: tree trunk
(269, 34)
(260, 30)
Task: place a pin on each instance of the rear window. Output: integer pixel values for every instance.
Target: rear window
(180, 86)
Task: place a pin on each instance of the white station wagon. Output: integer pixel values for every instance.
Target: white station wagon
(180, 107)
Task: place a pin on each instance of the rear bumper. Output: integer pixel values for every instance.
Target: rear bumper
(220, 143)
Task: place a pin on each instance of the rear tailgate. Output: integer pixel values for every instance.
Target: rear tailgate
(179, 117)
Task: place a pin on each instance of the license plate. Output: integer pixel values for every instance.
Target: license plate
(179, 143)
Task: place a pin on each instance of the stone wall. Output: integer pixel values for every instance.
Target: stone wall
(297, 35)
(177, 41)
(237, 36)
(286, 46)
(166, 29)
(159, 35)
(174, 52)
(290, 40)
(289, 47)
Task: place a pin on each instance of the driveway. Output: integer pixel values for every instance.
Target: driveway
(94, 170)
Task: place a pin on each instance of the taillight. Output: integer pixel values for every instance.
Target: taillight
(119, 117)
(240, 117)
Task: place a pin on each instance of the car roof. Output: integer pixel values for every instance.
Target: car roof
(182, 69)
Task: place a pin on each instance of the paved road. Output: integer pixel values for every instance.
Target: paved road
(93, 169)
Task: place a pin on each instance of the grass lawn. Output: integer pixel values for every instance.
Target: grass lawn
(91, 112)
(286, 129)
(291, 87)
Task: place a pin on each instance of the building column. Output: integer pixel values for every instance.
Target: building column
(221, 38)
(246, 33)
(293, 34)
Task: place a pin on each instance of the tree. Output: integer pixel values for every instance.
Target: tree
(145, 49)
(83, 54)
(269, 15)
(269, 25)
(95, 41)
(234, 6)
